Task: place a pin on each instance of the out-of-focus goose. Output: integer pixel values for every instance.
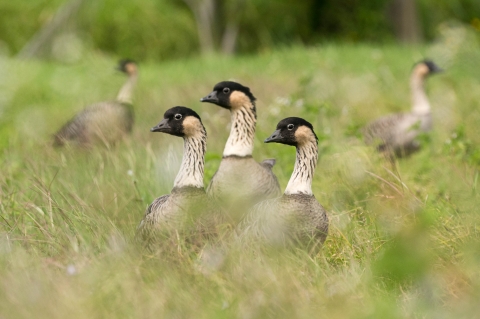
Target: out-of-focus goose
(187, 206)
(296, 217)
(104, 122)
(240, 179)
(396, 133)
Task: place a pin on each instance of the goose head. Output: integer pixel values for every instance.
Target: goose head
(230, 95)
(127, 66)
(425, 68)
(180, 121)
(293, 131)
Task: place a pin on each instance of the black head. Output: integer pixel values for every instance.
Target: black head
(428, 67)
(127, 66)
(179, 121)
(227, 93)
(293, 131)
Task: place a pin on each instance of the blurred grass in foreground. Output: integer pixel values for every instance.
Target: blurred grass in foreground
(403, 242)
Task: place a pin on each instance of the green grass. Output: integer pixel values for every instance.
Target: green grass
(403, 242)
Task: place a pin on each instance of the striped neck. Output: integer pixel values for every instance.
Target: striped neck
(301, 180)
(242, 132)
(126, 92)
(193, 162)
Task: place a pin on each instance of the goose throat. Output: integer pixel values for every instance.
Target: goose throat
(242, 132)
(193, 162)
(301, 180)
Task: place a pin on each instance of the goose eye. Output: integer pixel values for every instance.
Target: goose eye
(178, 116)
(226, 90)
(290, 127)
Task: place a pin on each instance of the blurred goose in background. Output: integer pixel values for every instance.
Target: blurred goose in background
(240, 179)
(187, 205)
(295, 217)
(104, 122)
(395, 134)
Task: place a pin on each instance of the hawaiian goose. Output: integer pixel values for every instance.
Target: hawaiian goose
(187, 207)
(296, 217)
(240, 179)
(104, 122)
(397, 133)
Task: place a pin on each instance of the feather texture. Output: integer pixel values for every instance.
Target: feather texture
(187, 212)
(290, 219)
(397, 132)
(243, 180)
(105, 122)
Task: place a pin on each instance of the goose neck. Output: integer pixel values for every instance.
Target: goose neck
(125, 94)
(193, 162)
(242, 132)
(420, 104)
(302, 176)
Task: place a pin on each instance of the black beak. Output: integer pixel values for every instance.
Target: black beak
(438, 70)
(161, 127)
(435, 68)
(211, 98)
(275, 137)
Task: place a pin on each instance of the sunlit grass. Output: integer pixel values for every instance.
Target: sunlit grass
(403, 240)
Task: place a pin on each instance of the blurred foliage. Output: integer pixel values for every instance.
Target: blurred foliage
(19, 20)
(146, 29)
(434, 12)
(461, 147)
(165, 29)
(351, 20)
(266, 24)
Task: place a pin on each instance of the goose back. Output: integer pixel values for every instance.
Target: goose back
(397, 132)
(187, 211)
(105, 122)
(243, 180)
(297, 219)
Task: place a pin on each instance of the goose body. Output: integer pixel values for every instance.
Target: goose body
(397, 133)
(183, 211)
(240, 179)
(187, 208)
(296, 217)
(103, 122)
